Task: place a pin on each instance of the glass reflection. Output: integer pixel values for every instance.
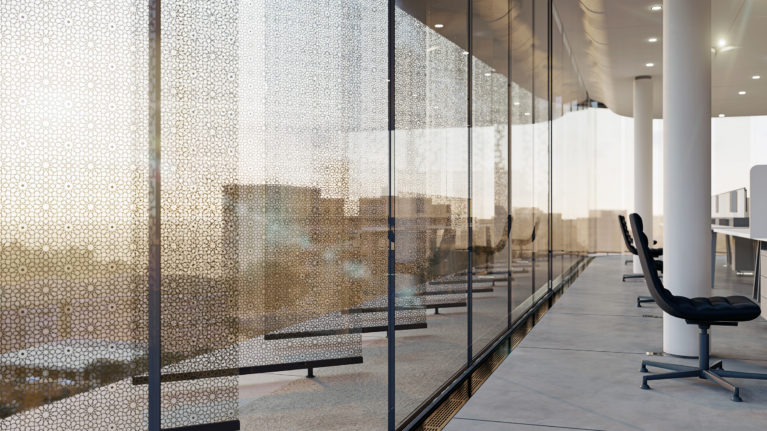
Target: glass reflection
(431, 186)
(489, 172)
(274, 203)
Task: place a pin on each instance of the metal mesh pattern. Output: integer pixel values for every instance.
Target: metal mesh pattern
(311, 143)
(72, 214)
(199, 158)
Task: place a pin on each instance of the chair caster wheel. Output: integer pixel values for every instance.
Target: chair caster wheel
(645, 386)
(643, 369)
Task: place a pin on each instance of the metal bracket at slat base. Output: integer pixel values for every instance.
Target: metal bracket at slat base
(257, 369)
(216, 426)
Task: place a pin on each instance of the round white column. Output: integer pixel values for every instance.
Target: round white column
(643, 156)
(686, 162)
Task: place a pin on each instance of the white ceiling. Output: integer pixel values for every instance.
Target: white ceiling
(609, 43)
(609, 40)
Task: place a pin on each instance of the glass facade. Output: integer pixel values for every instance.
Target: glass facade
(278, 215)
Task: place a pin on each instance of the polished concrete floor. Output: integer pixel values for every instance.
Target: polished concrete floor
(579, 367)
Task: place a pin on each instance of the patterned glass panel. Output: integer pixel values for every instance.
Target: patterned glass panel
(569, 184)
(489, 171)
(310, 200)
(431, 167)
(199, 159)
(526, 221)
(540, 148)
(73, 202)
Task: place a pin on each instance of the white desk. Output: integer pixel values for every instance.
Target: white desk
(742, 232)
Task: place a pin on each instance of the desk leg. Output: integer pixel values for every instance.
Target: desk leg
(757, 270)
(713, 257)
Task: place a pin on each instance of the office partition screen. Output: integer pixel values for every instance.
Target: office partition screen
(275, 215)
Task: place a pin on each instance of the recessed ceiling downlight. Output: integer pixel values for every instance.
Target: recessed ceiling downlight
(439, 25)
(741, 92)
(656, 7)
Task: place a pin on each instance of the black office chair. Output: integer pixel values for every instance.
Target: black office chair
(656, 252)
(704, 312)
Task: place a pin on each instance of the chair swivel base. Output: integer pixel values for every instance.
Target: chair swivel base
(714, 372)
(644, 300)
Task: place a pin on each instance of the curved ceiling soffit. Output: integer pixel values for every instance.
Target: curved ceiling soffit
(609, 39)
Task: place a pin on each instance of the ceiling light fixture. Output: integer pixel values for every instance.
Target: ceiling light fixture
(488, 73)
(741, 92)
(756, 77)
(650, 64)
(721, 115)
(656, 7)
(516, 103)
(527, 114)
(722, 43)
(439, 25)
(652, 39)
(466, 53)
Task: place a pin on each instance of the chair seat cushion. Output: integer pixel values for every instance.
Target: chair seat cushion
(718, 308)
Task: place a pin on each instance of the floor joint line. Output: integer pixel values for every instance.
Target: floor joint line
(529, 424)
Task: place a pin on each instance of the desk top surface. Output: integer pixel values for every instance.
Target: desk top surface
(742, 232)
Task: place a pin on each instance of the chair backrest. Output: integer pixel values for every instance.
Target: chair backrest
(663, 297)
(626, 236)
